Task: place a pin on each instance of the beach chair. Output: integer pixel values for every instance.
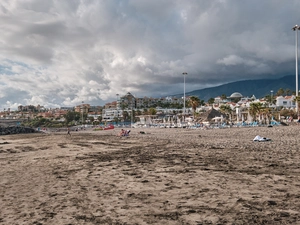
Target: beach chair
(223, 125)
(244, 124)
(254, 124)
(275, 123)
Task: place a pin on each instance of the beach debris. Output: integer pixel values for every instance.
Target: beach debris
(271, 202)
(261, 139)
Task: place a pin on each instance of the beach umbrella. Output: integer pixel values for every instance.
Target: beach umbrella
(279, 117)
(148, 120)
(249, 118)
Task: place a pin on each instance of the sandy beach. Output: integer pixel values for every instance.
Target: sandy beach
(161, 176)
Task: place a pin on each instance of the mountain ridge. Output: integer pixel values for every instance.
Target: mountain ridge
(259, 88)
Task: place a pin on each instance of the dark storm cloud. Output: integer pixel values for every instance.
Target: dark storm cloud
(73, 51)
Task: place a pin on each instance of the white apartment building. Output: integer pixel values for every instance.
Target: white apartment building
(109, 115)
(286, 102)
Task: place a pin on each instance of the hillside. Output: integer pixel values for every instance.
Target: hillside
(258, 88)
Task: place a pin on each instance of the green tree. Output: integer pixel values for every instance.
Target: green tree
(71, 116)
(132, 115)
(211, 101)
(152, 111)
(266, 112)
(280, 92)
(226, 109)
(297, 100)
(270, 99)
(125, 115)
(255, 108)
(91, 118)
(223, 96)
(194, 102)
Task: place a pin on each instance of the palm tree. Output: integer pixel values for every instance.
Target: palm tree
(266, 112)
(194, 102)
(255, 107)
(271, 100)
(125, 115)
(280, 92)
(226, 109)
(211, 101)
(297, 99)
(138, 112)
(223, 96)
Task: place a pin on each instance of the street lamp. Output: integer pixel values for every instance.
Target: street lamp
(82, 114)
(117, 109)
(184, 74)
(296, 28)
(272, 101)
(271, 97)
(131, 113)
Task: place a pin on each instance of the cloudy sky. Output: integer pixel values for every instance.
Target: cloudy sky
(62, 52)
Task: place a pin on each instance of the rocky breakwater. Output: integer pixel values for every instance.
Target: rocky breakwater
(16, 130)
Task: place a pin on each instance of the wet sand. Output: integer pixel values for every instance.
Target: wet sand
(164, 176)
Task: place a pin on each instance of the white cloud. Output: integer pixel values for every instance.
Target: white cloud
(233, 60)
(57, 53)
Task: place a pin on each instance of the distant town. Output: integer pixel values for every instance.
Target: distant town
(129, 108)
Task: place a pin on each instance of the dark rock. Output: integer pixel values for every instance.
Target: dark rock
(16, 130)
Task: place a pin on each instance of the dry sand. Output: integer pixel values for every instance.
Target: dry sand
(165, 176)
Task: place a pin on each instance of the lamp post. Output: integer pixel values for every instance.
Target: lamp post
(82, 114)
(117, 109)
(271, 97)
(131, 113)
(272, 101)
(184, 74)
(296, 28)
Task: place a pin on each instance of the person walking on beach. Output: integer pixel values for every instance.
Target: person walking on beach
(68, 129)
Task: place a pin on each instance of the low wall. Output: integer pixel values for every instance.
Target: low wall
(16, 130)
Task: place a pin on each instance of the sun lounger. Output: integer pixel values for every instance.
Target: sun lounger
(275, 123)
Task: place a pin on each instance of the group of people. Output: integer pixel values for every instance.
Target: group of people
(124, 133)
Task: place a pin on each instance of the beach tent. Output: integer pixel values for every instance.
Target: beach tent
(210, 115)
